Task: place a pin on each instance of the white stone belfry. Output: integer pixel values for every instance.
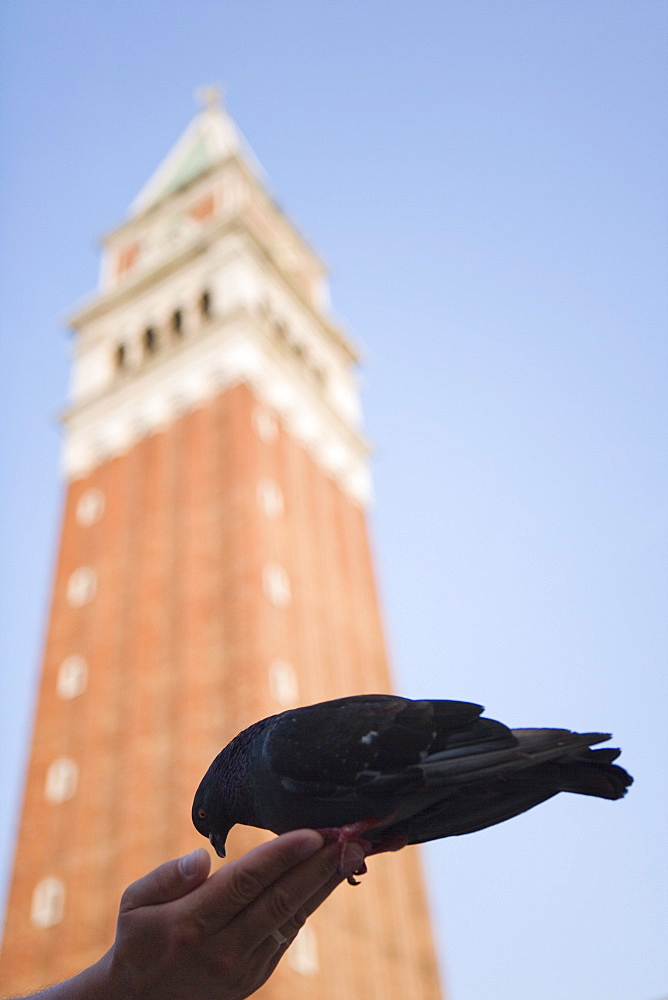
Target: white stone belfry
(205, 285)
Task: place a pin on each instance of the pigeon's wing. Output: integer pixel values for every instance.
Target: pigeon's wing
(480, 792)
(371, 738)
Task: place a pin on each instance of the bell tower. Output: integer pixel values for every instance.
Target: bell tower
(214, 568)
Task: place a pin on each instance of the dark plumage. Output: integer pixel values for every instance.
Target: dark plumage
(392, 772)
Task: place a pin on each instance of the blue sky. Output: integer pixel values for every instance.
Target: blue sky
(487, 183)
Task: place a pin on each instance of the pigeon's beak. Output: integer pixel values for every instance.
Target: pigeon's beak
(218, 844)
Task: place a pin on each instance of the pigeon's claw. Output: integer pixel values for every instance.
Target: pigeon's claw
(362, 870)
(352, 833)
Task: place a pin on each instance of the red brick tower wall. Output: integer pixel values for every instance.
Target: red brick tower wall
(179, 631)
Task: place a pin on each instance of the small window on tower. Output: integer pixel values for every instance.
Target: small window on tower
(72, 677)
(48, 903)
(90, 507)
(121, 357)
(276, 585)
(303, 955)
(150, 340)
(81, 586)
(177, 323)
(283, 683)
(61, 780)
(265, 424)
(270, 498)
(205, 304)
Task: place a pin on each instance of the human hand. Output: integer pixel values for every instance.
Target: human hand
(183, 935)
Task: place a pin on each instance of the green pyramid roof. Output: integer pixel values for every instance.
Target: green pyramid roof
(210, 139)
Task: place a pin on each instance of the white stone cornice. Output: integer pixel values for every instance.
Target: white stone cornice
(107, 302)
(238, 350)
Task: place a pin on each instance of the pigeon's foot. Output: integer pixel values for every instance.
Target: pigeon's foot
(353, 833)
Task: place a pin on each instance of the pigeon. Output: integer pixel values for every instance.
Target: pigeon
(386, 771)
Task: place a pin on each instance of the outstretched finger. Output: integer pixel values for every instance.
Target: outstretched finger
(169, 881)
(284, 907)
(238, 885)
(257, 932)
(281, 937)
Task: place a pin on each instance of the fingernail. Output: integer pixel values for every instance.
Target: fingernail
(189, 864)
(353, 859)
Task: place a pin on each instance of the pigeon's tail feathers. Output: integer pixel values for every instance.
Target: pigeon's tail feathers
(504, 791)
(590, 772)
(535, 740)
(555, 758)
(521, 750)
(577, 768)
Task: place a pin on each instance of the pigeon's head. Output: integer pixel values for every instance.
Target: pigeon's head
(209, 818)
(226, 792)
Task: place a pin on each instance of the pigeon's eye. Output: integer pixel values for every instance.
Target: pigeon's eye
(201, 813)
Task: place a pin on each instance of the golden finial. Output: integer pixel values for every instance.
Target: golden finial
(210, 96)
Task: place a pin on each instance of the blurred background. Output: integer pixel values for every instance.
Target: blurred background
(488, 185)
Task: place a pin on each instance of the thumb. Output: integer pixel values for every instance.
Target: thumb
(169, 881)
